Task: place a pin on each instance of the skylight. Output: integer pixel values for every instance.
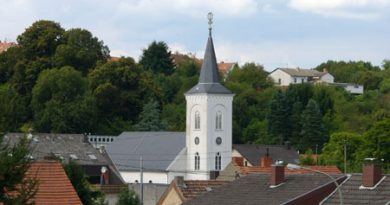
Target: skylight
(73, 156)
(92, 156)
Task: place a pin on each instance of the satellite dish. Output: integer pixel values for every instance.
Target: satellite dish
(103, 169)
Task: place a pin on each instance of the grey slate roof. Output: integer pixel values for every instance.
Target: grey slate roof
(353, 195)
(63, 145)
(209, 75)
(158, 150)
(303, 72)
(254, 189)
(253, 153)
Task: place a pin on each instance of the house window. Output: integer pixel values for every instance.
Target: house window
(197, 120)
(280, 81)
(295, 80)
(218, 121)
(218, 161)
(302, 80)
(246, 163)
(197, 161)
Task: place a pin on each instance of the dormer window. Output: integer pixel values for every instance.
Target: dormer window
(218, 121)
(197, 120)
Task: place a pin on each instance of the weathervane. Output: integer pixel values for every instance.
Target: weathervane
(210, 18)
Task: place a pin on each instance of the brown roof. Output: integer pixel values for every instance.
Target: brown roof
(114, 58)
(194, 188)
(54, 185)
(258, 169)
(225, 67)
(5, 45)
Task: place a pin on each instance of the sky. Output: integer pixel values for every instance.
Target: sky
(273, 33)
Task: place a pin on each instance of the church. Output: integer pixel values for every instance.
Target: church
(200, 152)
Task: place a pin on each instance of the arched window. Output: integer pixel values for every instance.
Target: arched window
(218, 161)
(197, 161)
(218, 121)
(197, 120)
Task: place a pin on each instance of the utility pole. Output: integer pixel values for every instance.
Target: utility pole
(345, 156)
(141, 179)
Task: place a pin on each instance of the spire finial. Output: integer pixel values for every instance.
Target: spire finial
(210, 18)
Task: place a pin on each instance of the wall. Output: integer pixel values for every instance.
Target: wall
(152, 192)
(155, 177)
(285, 78)
(327, 78)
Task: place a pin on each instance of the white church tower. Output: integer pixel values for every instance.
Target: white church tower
(209, 120)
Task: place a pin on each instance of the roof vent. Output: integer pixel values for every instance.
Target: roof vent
(73, 157)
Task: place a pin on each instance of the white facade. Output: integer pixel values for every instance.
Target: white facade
(281, 78)
(212, 138)
(327, 77)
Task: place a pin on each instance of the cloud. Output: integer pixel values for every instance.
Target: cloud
(354, 9)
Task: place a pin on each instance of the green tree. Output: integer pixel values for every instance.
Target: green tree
(279, 118)
(250, 74)
(128, 197)
(59, 102)
(87, 194)
(333, 151)
(157, 58)
(15, 187)
(307, 159)
(80, 50)
(149, 119)
(41, 39)
(257, 132)
(313, 131)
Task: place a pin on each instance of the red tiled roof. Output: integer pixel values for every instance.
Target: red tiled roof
(258, 169)
(194, 188)
(4, 46)
(225, 67)
(55, 187)
(113, 58)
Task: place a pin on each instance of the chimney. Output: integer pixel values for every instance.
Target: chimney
(105, 175)
(179, 181)
(277, 174)
(372, 172)
(266, 161)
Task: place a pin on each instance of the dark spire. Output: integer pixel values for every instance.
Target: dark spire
(209, 75)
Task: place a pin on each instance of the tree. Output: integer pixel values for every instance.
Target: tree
(41, 39)
(279, 118)
(149, 119)
(80, 50)
(157, 58)
(250, 74)
(15, 188)
(313, 131)
(128, 197)
(333, 152)
(59, 102)
(77, 177)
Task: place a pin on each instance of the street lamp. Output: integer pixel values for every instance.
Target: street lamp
(295, 166)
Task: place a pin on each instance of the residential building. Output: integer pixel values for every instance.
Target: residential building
(4, 46)
(254, 154)
(72, 147)
(275, 187)
(370, 187)
(180, 190)
(287, 76)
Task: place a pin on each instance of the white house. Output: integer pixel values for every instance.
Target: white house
(287, 76)
(197, 154)
(351, 87)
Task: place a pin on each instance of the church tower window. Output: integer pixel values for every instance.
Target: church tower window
(218, 161)
(197, 161)
(197, 120)
(218, 121)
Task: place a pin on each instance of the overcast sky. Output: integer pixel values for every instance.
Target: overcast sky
(275, 33)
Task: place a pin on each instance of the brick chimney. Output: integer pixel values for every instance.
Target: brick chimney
(372, 172)
(277, 174)
(266, 161)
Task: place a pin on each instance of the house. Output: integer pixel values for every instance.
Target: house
(225, 68)
(54, 186)
(180, 190)
(370, 187)
(204, 149)
(275, 187)
(350, 87)
(287, 76)
(4, 46)
(71, 147)
(253, 154)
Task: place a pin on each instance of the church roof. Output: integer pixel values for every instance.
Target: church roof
(209, 75)
(158, 150)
